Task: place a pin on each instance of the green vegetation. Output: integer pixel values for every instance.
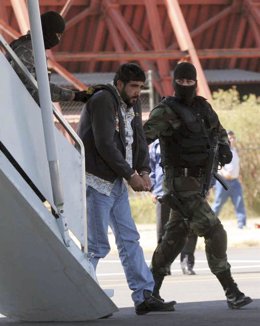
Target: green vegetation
(142, 207)
(241, 116)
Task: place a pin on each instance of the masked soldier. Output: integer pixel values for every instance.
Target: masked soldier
(53, 26)
(189, 132)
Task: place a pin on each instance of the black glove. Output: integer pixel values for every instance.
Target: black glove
(225, 154)
(81, 96)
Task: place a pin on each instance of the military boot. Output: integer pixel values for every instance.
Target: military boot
(235, 298)
(158, 279)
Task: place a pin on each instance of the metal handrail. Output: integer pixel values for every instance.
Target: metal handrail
(62, 121)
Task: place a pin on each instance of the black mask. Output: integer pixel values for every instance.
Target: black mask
(52, 24)
(185, 93)
(185, 70)
(50, 41)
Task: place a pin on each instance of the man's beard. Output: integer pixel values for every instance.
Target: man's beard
(129, 101)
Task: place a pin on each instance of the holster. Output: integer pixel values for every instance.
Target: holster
(170, 199)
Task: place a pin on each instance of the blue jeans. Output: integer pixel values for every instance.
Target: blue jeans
(114, 211)
(236, 194)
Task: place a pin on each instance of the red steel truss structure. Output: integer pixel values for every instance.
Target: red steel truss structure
(100, 34)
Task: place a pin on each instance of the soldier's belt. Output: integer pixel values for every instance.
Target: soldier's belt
(188, 172)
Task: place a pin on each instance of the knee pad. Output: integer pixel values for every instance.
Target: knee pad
(217, 240)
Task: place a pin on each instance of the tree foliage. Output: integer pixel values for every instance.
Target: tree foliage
(242, 116)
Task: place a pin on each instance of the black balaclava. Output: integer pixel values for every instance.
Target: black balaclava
(185, 70)
(52, 23)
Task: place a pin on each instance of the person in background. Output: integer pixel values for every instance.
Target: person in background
(187, 257)
(230, 172)
(111, 130)
(53, 26)
(189, 131)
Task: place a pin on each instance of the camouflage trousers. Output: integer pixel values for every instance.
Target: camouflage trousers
(195, 213)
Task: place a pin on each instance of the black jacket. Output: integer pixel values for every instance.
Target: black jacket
(101, 128)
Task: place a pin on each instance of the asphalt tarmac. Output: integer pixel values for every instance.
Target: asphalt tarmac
(187, 314)
(201, 300)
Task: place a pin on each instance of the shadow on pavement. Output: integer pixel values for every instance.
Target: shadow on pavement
(186, 314)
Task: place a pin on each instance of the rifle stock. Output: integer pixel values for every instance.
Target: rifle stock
(221, 180)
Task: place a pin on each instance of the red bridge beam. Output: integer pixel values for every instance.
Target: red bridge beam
(154, 55)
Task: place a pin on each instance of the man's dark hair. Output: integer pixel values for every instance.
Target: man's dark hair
(129, 72)
(230, 133)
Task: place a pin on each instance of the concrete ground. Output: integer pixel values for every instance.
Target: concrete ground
(237, 238)
(187, 314)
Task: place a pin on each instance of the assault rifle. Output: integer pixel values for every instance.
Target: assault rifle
(212, 170)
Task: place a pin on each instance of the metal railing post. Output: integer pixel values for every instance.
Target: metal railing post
(47, 117)
(150, 85)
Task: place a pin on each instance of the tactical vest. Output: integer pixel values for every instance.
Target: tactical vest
(191, 142)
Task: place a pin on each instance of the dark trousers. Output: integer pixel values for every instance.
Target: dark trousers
(162, 217)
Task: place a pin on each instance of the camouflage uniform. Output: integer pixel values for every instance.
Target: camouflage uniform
(194, 211)
(23, 49)
(192, 142)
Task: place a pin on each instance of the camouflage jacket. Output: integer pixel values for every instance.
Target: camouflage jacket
(163, 122)
(23, 49)
(188, 134)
